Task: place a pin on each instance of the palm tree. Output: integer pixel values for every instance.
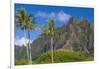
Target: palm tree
(30, 26)
(49, 29)
(25, 22)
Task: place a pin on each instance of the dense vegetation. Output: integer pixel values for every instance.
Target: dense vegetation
(62, 56)
(59, 56)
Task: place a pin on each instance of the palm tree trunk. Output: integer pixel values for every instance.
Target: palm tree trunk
(26, 45)
(52, 59)
(29, 48)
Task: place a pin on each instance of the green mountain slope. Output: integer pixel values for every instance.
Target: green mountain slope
(62, 56)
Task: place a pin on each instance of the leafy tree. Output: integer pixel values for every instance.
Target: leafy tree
(25, 22)
(30, 26)
(49, 29)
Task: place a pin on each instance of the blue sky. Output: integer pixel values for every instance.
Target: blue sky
(60, 14)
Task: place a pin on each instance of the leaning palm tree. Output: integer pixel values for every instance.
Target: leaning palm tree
(49, 29)
(24, 22)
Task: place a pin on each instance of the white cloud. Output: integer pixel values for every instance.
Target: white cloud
(63, 17)
(41, 14)
(21, 41)
(52, 15)
(60, 16)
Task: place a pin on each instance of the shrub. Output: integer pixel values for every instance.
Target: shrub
(21, 62)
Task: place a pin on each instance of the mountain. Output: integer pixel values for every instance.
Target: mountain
(76, 35)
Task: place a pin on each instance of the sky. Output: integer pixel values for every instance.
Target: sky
(60, 14)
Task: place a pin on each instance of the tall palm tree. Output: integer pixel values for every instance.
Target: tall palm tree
(25, 22)
(20, 22)
(30, 26)
(50, 31)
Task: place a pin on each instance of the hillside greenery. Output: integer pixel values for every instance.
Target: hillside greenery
(60, 56)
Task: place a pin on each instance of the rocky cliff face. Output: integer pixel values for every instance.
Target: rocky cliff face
(77, 35)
